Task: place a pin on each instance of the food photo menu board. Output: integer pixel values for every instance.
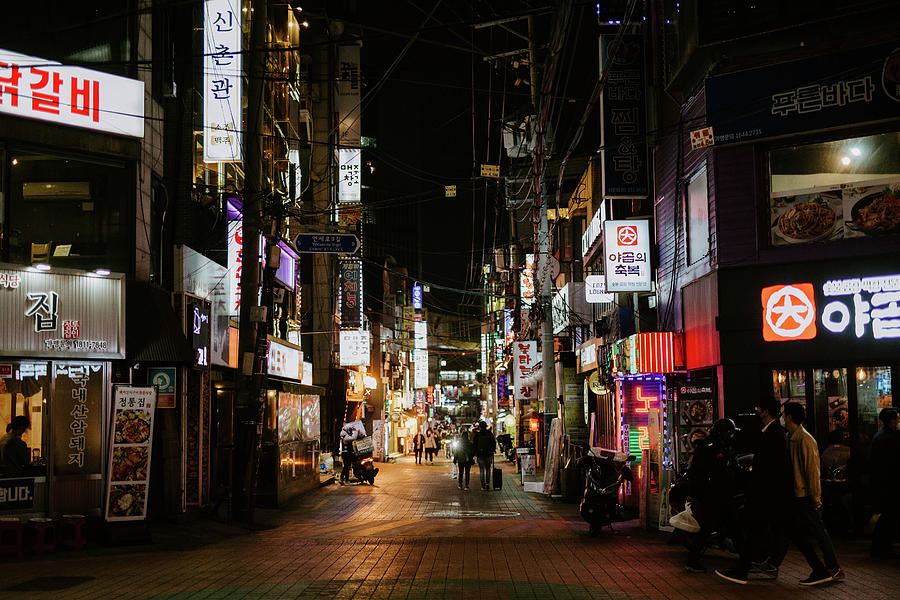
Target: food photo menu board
(857, 209)
(128, 476)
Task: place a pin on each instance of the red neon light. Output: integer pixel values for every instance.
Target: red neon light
(645, 400)
(656, 352)
(644, 437)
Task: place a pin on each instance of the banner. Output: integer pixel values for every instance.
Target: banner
(128, 476)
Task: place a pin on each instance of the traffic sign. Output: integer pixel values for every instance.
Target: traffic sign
(334, 243)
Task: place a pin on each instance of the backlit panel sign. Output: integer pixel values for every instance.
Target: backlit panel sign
(349, 161)
(627, 256)
(526, 281)
(222, 97)
(354, 347)
(866, 307)
(37, 88)
(351, 294)
(420, 358)
(595, 290)
(525, 357)
(284, 361)
(417, 296)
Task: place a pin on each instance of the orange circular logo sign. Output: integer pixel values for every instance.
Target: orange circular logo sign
(789, 312)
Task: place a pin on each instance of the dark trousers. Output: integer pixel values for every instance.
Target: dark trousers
(484, 469)
(885, 529)
(714, 515)
(809, 528)
(463, 468)
(346, 465)
(429, 454)
(765, 537)
(418, 454)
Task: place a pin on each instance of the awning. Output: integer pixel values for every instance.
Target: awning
(152, 329)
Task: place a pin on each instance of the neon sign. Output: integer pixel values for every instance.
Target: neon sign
(641, 399)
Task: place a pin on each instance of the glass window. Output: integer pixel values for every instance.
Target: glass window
(873, 392)
(835, 190)
(832, 409)
(789, 385)
(25, 394)
(698, 217)
(68, 213)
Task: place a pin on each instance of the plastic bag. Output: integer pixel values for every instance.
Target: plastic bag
(685, 520)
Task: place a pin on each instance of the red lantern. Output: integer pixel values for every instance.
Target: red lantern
(534, 424)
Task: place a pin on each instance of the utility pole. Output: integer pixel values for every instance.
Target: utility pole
(251, 382)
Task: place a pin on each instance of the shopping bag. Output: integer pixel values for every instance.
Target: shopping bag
(685, 520)
(453, 471)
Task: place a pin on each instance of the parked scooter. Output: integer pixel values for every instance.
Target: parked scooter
(364, 469)
(604, 474)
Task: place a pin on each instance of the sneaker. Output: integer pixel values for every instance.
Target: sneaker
(733, 575)
(838, 574)
(467, 488)
(767, 569)
(816, 578)
(694, 567)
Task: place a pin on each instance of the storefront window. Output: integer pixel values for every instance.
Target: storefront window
(68, 213)
(873, 392)
(832, 408)
(835, 190)
(25, 393)
(789, 385)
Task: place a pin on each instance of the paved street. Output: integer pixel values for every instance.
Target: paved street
(415, 535)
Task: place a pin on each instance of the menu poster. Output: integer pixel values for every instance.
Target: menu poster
(128, 476)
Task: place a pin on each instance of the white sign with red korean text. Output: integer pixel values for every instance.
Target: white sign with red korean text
(626, 247)
(701, 138)
(222, 81)
(525, 357)
(37, 88)
(235, 231)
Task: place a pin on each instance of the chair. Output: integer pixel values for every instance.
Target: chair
(71, 531)
(44, 534)
(11, 535)
(40, 253)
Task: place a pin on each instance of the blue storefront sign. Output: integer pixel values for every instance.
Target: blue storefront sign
(623, 127)
(417, 296)
(854, 86)
(16, 494)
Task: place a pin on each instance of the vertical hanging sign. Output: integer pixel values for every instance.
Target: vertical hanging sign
(129, 462)
(347, 99)
(623, 131)
(222, 98)
(349, 181)
(351, 294)
(525, 358)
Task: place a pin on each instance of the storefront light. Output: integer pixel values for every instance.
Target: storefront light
(102, 272)
(370, 382)
(42, 267)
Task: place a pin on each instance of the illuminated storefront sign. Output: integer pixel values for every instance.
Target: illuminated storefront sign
(865, 307)
(524, 359)
(222, 98)
(349, 162)
(354, 347)
(351, 306)
(420, 360)
(593, 230)
(421, 335)
(417, 296)
(626, 247)
(526, 282)
(61, 314)
(235, 242)
(595, 290)
(284, 361)
(640, 403)
(651, 352)
(37, 88)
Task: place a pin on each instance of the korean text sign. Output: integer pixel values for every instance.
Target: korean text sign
(525, 357)
(627, 256)
(222, 81)
(351, 294)
(128, 478)
(349, 177)
(77, 418)
(36, 88)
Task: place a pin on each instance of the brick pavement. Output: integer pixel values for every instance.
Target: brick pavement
(413, 536)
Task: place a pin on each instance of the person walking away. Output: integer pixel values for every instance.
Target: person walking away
(418, 446)
(807, 501)
(430, 445)
(768, 499)
(349, 434)
(463, 456)
(14, 455)
(485, 445)
(712, 487)
(885, 470)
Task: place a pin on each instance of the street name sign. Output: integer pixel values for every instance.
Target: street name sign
(334, 243)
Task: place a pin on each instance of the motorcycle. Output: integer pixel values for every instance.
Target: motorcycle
(364, 469)
(604, 474)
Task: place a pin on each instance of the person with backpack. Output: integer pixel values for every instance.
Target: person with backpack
(485, 445)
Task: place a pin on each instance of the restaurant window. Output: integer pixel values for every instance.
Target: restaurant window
(873, 392)
(789, 385)
(698, 217)
(25, 393)
(67, 213)
(835, 190)
(831, 413)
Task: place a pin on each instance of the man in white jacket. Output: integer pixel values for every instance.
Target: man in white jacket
(350, 433)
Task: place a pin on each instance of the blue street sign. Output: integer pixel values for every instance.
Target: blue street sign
(335, 243)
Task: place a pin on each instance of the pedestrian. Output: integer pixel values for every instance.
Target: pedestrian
(807, 502)
(463, 457)
(485, 445)
(712, 485)
(885, 470)
(418, 446)
(14, 454)
(768, 499)
(349, 434)
(430, 445)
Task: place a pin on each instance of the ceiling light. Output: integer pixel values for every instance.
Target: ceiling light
(845, 160)
(855, 151)
(42, 267)
(102, 272)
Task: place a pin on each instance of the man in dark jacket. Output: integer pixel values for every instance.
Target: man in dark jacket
(418, 446)
(768, 498)
(485, 445)
(885, 467)
(14, 454)
(463, 456)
